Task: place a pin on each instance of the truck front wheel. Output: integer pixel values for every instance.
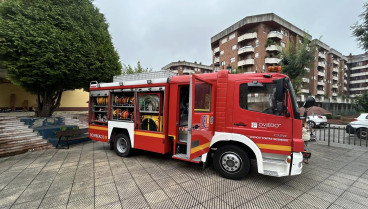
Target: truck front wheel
(122, 145)
(231, 162)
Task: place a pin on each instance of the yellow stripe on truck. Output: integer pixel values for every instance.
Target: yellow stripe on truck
(274, 147)
(98, 128)
(162, 136)
(203, 146)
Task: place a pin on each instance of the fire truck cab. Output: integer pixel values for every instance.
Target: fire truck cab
(229, 118)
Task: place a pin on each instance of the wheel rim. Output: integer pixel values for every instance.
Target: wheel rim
(231, 162)
(363, 134)
(121, 145)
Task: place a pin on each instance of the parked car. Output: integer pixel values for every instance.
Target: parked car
(359, 126)
(315, 121)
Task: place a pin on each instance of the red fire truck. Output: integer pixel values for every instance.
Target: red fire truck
(226, 118)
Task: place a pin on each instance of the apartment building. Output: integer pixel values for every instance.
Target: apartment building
(187, 68)
(255, 42)
(358, 70)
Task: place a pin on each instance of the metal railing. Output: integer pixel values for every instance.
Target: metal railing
(337, 134)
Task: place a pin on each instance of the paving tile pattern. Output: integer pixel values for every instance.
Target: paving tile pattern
(89, 175)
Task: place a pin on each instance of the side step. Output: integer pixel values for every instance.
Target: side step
(185, 158)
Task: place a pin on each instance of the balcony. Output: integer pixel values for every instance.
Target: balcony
(335, 70)
(334, 94)
(321, 64)
(345, 75)
(272, 60)
(246, 62)
(216, 50)
(320, 92)
(273, 48)
(321, 55)
(305, 91)
(189, 71)
(335, 78)
(246, 49)
(321, 73)
(336, 62)
(274, 34)
(307, 69)
(359, 88)
(359, 81)
(334, 86)
(320, 83)
(345, 89)
(305, 80)
(217, 59)
(247, 36)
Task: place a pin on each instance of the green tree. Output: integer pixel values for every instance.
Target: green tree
(360, 31)
(50, 46)
(295, 58)
(127, 69)
(360, 103)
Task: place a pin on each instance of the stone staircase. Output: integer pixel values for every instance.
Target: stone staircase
(17, 138)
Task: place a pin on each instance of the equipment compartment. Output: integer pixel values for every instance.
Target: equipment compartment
(122, 105)
(99, 107)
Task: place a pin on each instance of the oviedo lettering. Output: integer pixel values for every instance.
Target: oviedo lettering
(265, 125)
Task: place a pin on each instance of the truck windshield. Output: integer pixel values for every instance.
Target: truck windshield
(293, 100)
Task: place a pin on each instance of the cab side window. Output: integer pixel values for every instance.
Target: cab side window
(258, 97)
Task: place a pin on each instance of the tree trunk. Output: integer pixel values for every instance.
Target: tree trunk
(47, 103)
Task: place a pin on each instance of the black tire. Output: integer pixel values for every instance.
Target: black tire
(311, 124)
(231, 162)
(362, 133)
(122, 145)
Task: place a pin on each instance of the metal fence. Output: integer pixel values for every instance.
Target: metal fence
(337, 134)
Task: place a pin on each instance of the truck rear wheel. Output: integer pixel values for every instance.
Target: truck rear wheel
(231, 162)
(122, 145)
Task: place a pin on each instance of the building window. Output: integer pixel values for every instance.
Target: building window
(224, 40)
(257, 42)
(283, 44)
(232, 59)
(256, 55)
(222, 52)
(264, 28)
(223, 63)
(286, 33)
(234, 47)
(232, 36)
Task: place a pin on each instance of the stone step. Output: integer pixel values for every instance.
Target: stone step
(12, 129)
(15, 133)
(2, 126)
(4, 122)
(2, 118)
(22, 142)
(24, 149)
(30, 145)
(19, 138)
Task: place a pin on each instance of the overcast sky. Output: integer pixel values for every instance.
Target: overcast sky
(157, 32)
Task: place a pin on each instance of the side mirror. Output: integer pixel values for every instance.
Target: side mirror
(309, 102)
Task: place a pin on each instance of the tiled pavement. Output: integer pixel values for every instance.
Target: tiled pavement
(90, 175)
